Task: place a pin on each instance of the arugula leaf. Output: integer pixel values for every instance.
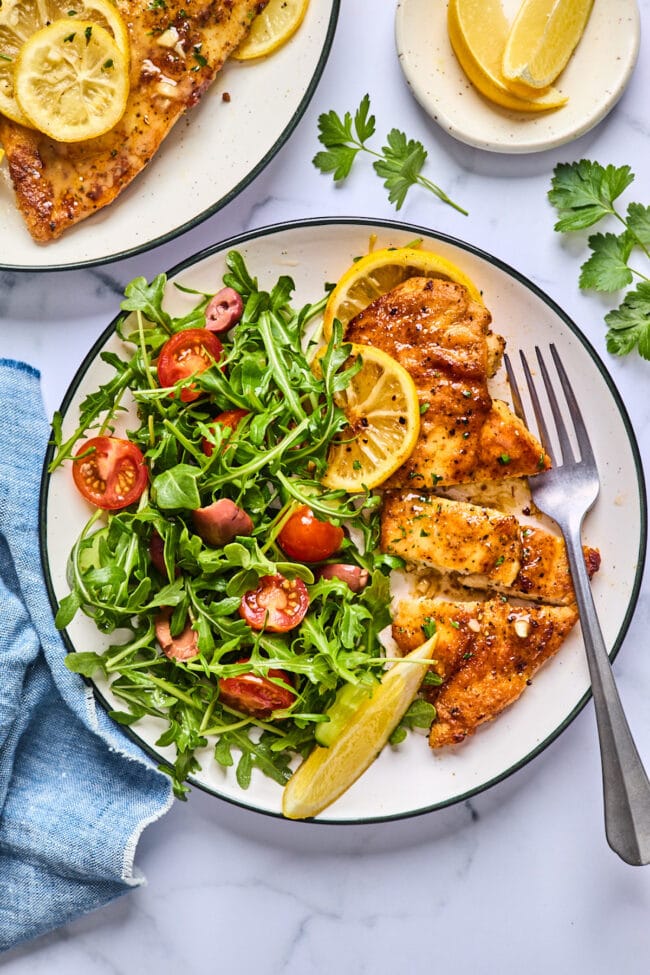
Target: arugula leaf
(420, 714)
(148, 299)
(177, 488)
(585, 192)
(399, 164)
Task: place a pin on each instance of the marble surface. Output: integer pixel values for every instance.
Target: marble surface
(518, 879)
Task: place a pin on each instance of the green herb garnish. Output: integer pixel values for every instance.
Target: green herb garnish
(399, 163)
(584, 193)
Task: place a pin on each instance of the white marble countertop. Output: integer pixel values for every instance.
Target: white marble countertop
(520, 878)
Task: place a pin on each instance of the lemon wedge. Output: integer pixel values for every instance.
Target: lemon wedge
(72, 80)
(478, 31)
(272, 28)
(383, 412)
(327, 772)
(19, 20)
(543, 36)
(381, 271)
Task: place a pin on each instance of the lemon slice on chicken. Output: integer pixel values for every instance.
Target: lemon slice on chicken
(21, 19)
(72, 80)
(383, 412)
(380, 271)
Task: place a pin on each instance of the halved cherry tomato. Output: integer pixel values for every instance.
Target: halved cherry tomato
(306, 539)
(186, 353)
(277, 605)
(229, 418)
(256, 695)
(110, 472)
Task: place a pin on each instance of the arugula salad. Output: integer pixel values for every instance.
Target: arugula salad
(244, 597)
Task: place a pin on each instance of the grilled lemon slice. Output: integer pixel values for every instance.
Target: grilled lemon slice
(383, 412)
(72, 80)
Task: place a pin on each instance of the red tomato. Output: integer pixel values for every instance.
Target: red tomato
(112, 473)
(306, 539)
(256, 695)
(229, 418)
(277, 605)
(185, 354)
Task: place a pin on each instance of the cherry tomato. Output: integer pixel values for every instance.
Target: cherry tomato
(229, 418)
(306, 539)
(110, 472)
(277, 605)
(256, 695)
(185, 354)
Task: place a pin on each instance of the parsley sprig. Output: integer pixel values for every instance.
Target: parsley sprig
(584, 193)
(399, 163)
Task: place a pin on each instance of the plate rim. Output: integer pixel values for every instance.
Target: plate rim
(243, 184)
(394, 225)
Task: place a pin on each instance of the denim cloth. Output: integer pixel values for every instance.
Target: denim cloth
(75, 792)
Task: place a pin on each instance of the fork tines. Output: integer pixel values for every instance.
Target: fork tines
(567, 454)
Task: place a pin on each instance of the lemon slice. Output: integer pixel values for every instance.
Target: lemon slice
(20, 19)
(543, 36)
(478, 31)
(327, 772)
(272, 28)
(380, 272)
(72, 80)
(383, 413)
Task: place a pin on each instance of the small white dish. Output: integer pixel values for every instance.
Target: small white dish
(408, 779)
(594, 79)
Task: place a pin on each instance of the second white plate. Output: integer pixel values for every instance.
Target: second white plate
(594, 79)
(208, 158)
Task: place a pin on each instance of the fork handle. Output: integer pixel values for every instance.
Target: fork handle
(626, 789)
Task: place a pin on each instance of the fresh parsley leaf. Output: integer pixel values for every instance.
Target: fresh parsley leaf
(638, 223)
(629, 325)
(400, 168)
(607, 270)
(399, 164)
(585, 192)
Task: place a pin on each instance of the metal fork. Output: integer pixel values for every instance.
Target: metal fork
(566, 493)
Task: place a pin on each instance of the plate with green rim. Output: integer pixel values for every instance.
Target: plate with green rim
(407, 779)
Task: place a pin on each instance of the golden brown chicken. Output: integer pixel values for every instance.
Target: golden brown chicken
(486, 654)
(177, 49)
(440, 335)
(486, 548)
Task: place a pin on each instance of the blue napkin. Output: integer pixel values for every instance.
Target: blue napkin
(75, 792)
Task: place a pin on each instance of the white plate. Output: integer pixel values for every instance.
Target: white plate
(411, 779)
(594, 79)
(209, 157)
